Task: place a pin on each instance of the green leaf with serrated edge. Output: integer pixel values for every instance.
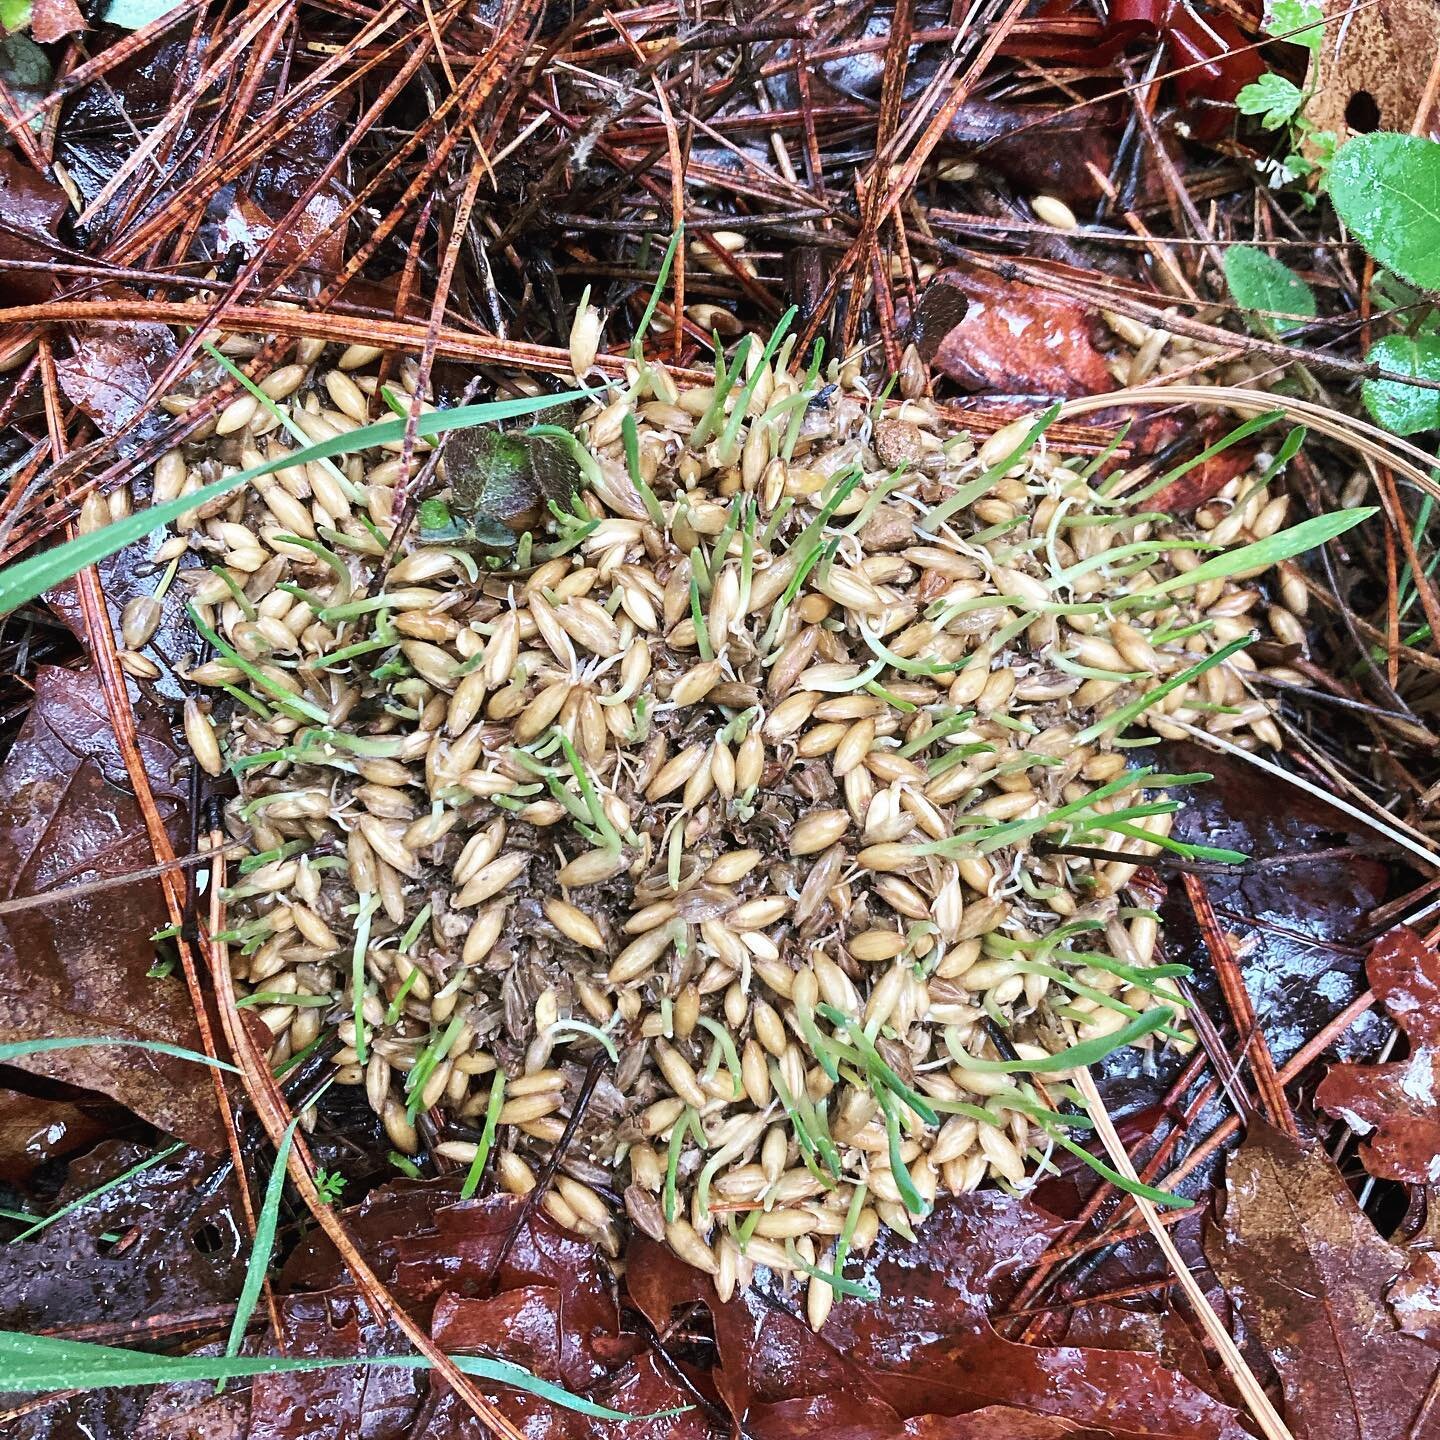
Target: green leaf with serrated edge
(1386, 188)
(28, 578)
(1272, 97)
(1298, 21)
(1261, 283)
(1397, 406)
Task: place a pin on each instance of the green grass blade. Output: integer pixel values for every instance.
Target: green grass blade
(487, 1136)
(19, 1048)
(34, 1363)
(1261, 554)
(1087, 1052)
(28, 578)
(81, 1201)
(1126, 713)
(262, 1248)
(637, 346)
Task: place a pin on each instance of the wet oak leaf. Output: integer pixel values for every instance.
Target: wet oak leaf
(77, 967)
(30, 212)
(35, 1129)
(177, 1243)
(1397, 1103)
(1309, 1273)
(926, 1346)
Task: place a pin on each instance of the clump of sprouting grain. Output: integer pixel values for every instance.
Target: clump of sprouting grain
(790, 779)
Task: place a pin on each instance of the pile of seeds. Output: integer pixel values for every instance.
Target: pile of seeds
(770, 806)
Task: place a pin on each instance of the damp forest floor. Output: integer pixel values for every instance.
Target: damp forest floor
(1158, 217)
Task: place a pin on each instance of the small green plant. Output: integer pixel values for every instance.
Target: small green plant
(1279, 104)
(328, 1185)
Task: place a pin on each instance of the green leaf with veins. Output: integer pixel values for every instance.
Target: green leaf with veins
(1386, 188)
(1403, 408)
(1262, 283)
(1302, 16)
(1272, 97)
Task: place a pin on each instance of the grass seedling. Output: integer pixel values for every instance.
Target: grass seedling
(1240, 432)
(856, 1289)
(1118, 719)
(1086, 1052)
(427, 1062)
(369, 904)
(572, 1029)
(724, 1045)
(689, 1121)
(259, 1263)
(637, 345)
(969, 493)
(630, 433)
(17, 1049)
(697, 617)
(296, 706)
(487, 1136)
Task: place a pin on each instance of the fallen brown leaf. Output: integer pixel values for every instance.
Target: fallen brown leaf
(52, 20)
(1017, 339)
(1371, 70)
(35, 1129)
(1309, 1273)
(926, 1347)
(111, 368)
(30, 213)
(1398, 1103)
(77, 967)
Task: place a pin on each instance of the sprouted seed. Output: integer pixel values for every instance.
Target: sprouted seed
(773, 778)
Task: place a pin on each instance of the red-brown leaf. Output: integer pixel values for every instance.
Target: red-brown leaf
(1399, 1101)
(1018, 339)
(1309, 1273)
(111, 368)
(35, 1129)
(30, 213)
(77, 967)
(926, 1347)
(52, 20)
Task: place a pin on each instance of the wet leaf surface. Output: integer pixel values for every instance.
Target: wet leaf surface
(1397, 1103)
(110, 369)
(1017, 339)
(77, 967)
(926, 1347)
(1309, 1273)
(52, 20)
(501, 485)
(38, 1128)
(552, 1306)
(164, 1241)
(30, 212)
(1299, 930)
